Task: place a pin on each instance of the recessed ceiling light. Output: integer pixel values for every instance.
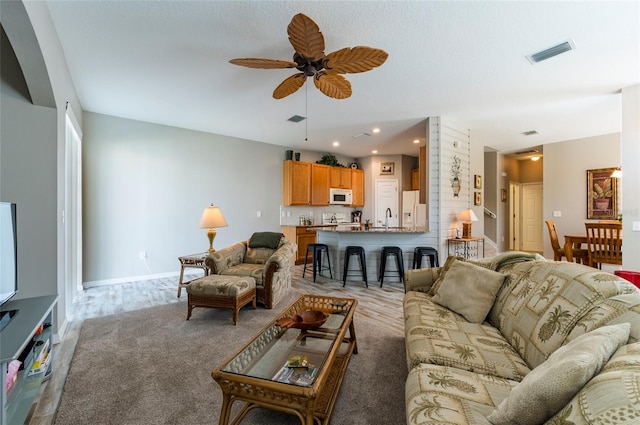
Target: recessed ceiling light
(336, 143)
(376, 130)
(374, 151)
(416, 141)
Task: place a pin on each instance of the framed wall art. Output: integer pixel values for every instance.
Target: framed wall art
(477, 198)
(602, 195)
(477, 182)
(386, 168)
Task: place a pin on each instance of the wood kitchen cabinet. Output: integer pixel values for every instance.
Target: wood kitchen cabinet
(340, 177)
(415, 179)
(302, 236)
(320, 175)
(357, 188)
(296, 183)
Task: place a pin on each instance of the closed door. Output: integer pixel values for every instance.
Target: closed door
(387, 200)
(532, 218)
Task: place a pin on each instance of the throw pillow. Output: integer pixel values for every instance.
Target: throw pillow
(445, 267)
(265, 240)
(469, 290)
(550, 386)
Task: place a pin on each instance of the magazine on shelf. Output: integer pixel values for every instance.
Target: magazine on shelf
(297, 375)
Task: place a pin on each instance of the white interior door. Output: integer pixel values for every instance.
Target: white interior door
(387, 200)
(532, 218)
(514, 216)
(73, 211)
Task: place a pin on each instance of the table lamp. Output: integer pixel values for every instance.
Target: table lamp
(211, 218)
(467, 216)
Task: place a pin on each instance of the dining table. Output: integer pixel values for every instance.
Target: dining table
(572, 242)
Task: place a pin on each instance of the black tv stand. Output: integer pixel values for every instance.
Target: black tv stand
(6, 316)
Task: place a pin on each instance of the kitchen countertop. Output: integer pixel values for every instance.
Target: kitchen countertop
(372, 230)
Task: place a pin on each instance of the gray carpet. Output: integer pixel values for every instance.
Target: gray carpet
(152, 366)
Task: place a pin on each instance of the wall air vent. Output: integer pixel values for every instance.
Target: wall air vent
(551, 52)
(529, 133)
(296, 118)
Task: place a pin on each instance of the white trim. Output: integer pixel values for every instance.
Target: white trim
(74, 120)
(120, 280)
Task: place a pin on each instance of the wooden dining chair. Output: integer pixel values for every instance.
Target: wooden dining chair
(558, 251)
(604, 243)
(579, 255)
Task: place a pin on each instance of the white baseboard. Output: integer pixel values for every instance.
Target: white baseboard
(120, 280)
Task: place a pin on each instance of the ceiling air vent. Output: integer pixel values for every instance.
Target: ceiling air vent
(529, 133)
(530, 151)
(361, 135)
(296, 118)
(551, 52)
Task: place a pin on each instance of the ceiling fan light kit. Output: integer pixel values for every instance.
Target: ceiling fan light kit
(310, 60)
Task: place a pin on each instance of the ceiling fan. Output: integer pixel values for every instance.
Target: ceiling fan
(310, 60)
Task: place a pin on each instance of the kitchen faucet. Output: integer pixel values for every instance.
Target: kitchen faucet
(387, 214)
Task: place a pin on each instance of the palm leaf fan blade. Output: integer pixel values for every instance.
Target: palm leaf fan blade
(333, 85)
(305, 37)
(263, 63)
(357, 59)
(289, 86)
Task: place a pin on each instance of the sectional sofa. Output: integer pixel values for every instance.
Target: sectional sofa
(516, 339)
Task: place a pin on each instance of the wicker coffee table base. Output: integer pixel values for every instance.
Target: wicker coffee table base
(311, 405)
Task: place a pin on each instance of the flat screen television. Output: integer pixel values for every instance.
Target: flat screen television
(8, 258)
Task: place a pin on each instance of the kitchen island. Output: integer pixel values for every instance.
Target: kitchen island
(372, 240)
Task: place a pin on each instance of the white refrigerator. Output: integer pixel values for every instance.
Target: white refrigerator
(414, 214)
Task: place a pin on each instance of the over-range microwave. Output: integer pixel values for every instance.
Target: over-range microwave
(340, 196)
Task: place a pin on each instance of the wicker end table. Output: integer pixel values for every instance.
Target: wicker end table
(191, 261)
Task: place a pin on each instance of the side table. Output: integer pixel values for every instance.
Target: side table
(465, 247)
(193, 261)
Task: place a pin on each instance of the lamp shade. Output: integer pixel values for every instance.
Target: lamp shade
(468, 215)
(212, 217)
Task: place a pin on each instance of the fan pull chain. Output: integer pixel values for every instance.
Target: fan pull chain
(306, 112)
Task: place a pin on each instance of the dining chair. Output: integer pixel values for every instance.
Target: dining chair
(579, 255)
(604, 243)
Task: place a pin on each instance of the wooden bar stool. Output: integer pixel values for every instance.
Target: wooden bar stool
(397, 253)
(348, 252)
(421, 251)
(316, 258)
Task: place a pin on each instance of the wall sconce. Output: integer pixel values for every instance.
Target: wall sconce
(617, 173)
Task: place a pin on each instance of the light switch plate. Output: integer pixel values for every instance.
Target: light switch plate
(636, 226)
(557, 213)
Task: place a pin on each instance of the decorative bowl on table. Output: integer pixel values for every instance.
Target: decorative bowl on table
(308, 319)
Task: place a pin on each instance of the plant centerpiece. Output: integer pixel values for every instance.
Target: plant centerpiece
(329, 159)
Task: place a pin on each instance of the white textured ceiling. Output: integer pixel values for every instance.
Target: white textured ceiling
(167, 62)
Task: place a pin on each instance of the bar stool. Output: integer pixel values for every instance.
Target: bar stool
(396, 252)
(348, 252)
(421, 251)
(316, 258)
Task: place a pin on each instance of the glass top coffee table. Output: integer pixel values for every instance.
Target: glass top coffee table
(292, 370)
